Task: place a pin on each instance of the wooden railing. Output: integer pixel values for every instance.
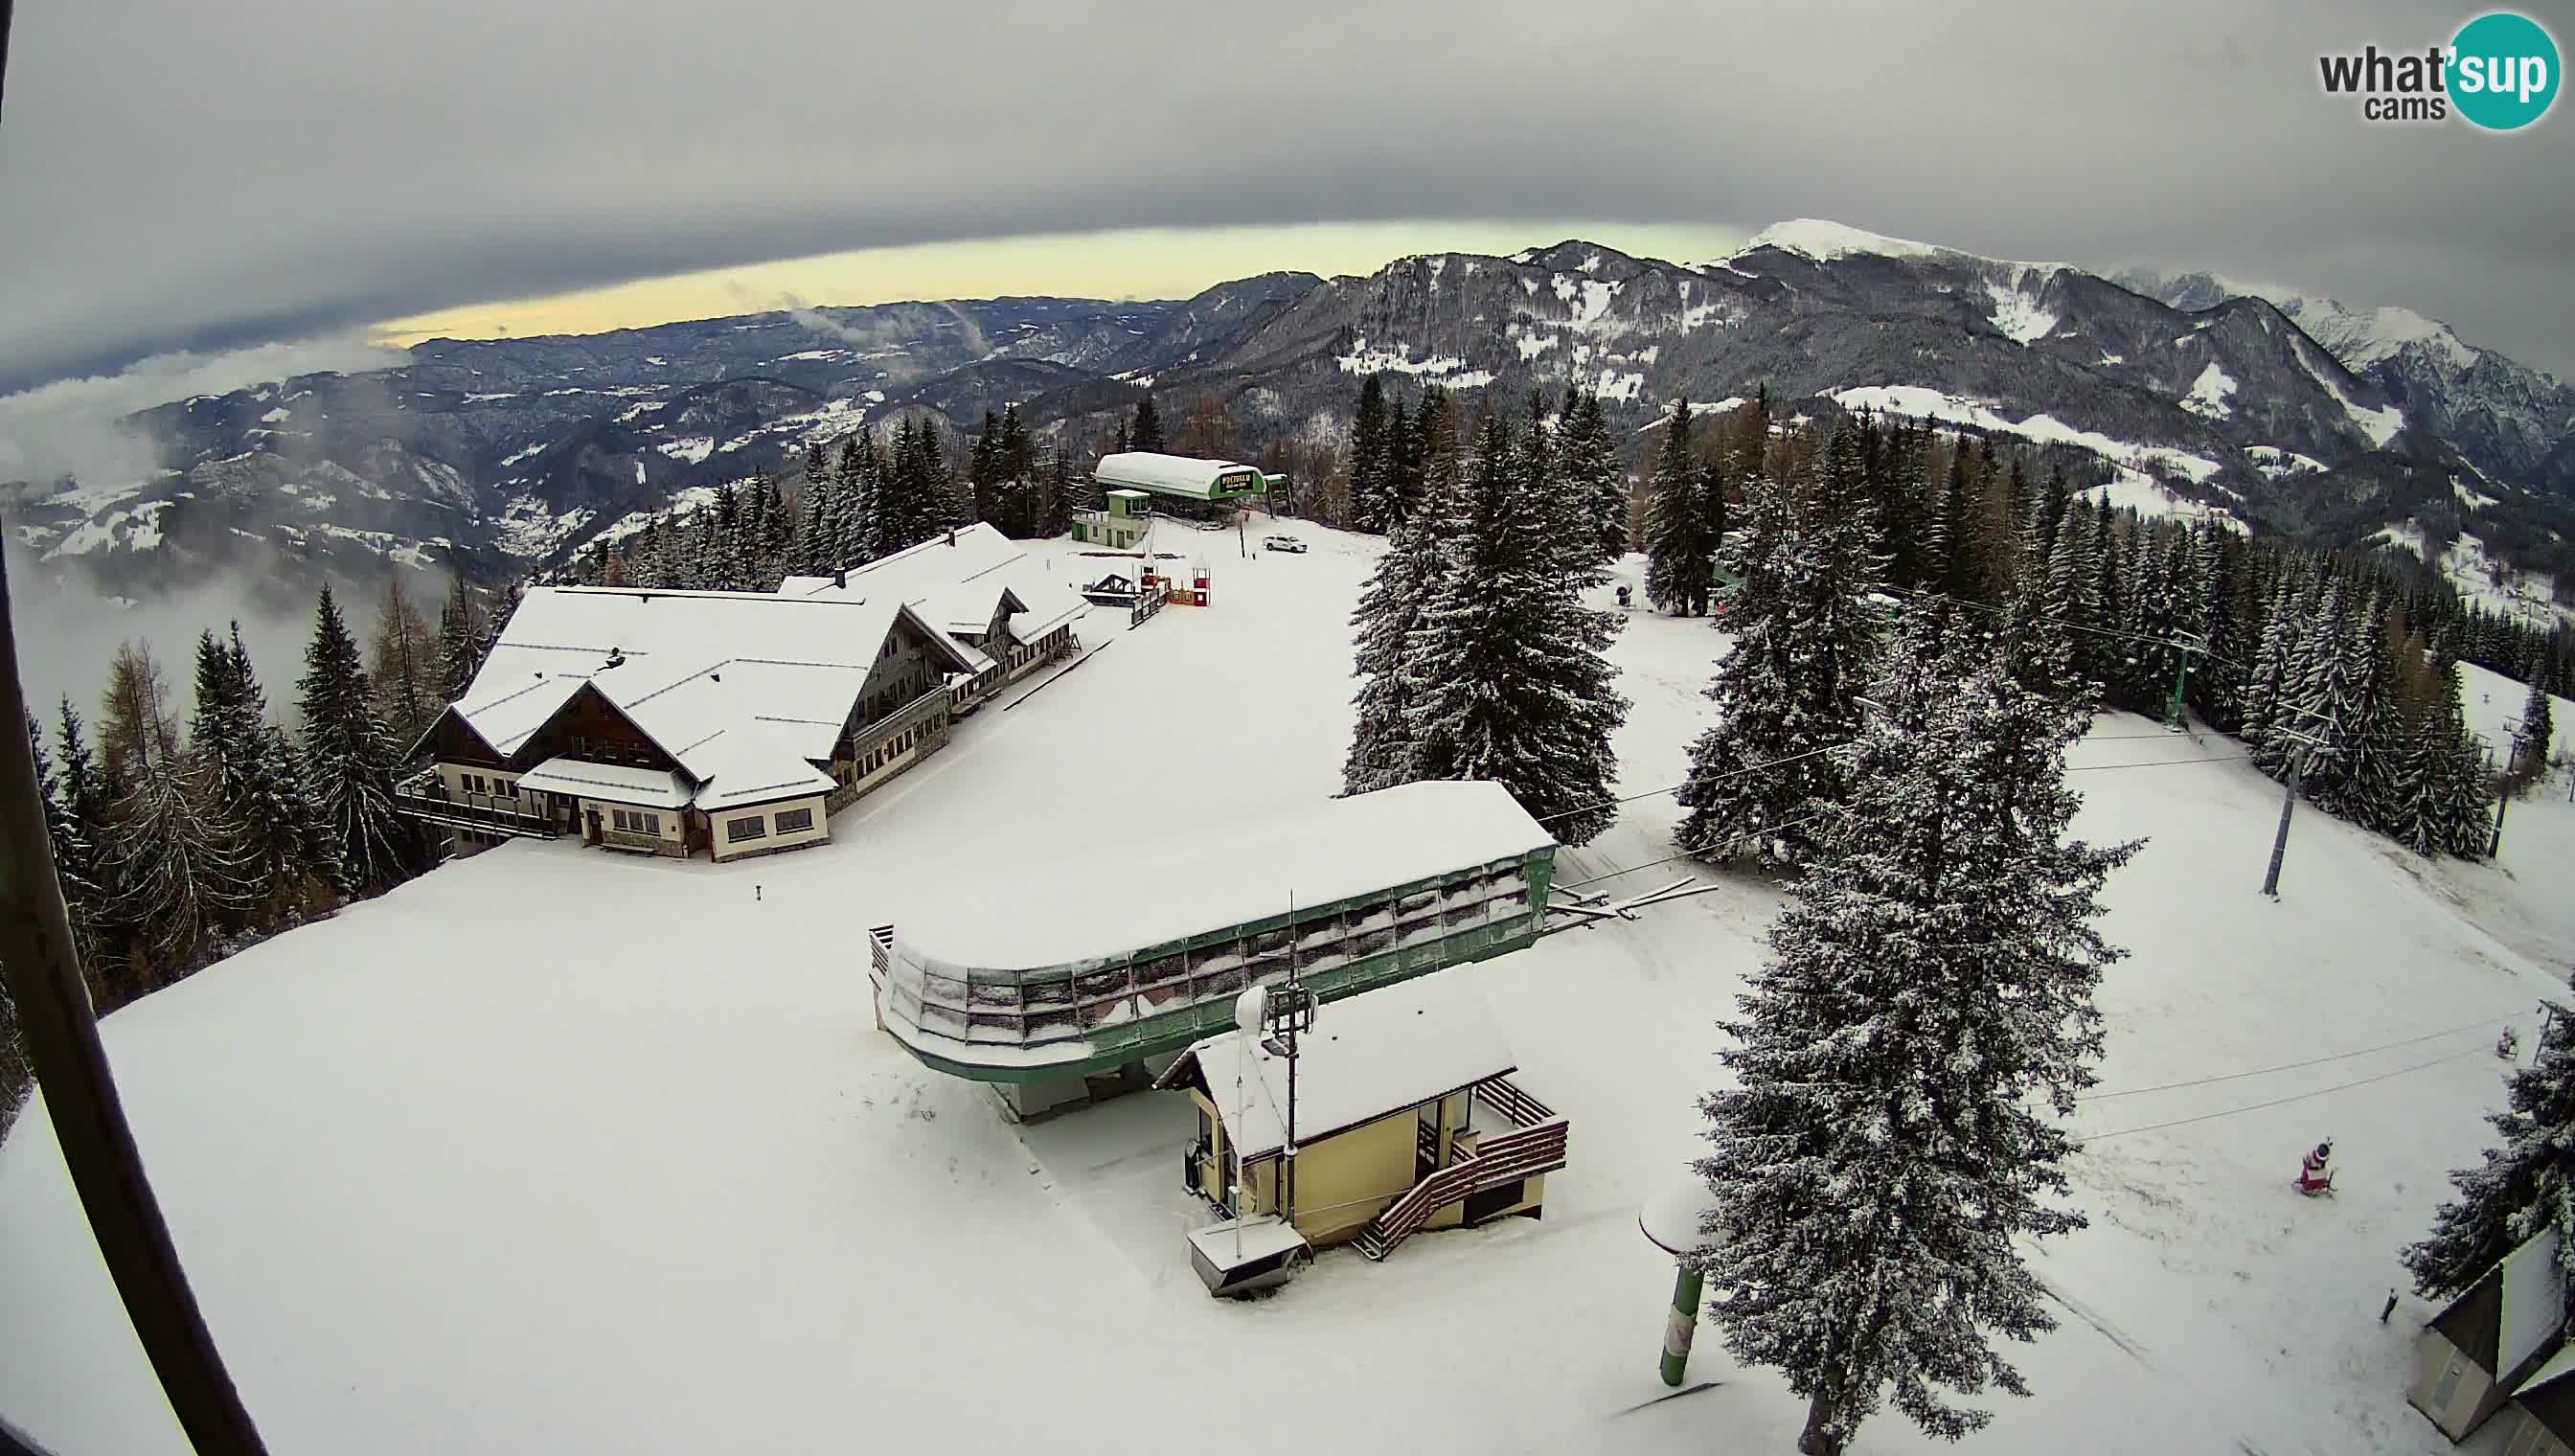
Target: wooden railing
(1506, 1159)
(1144, 609)
(881, 950)
(871, 734)
(425, 796)
(1522, 1109)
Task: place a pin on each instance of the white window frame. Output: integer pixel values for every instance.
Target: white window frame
(780, 824)
(758, 829)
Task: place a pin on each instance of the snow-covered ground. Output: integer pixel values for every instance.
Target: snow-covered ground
(557, 1150)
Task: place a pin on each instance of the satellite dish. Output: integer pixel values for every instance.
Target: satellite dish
(1248, 1009)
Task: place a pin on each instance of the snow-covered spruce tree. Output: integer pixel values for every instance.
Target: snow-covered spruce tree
(2217, 675)
(1679, 553)
(1510, 687)
(1760, 782)
(348, 763)
(258, 782)
(1389, 618)
(1371, 480)
(2525, 1185)
(1588, 460)
(851, 506)
(2538, 724)
(1927, 1002)
(2379, 740)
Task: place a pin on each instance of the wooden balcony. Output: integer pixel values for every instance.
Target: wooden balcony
(869, 736)
(423, 797)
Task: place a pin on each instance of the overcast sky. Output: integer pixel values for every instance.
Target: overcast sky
(189, 175)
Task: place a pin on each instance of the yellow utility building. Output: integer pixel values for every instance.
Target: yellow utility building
(1406, 1119)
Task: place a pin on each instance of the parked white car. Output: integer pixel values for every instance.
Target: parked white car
(1282, 543)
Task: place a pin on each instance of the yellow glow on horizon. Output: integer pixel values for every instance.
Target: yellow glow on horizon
(1139, 262)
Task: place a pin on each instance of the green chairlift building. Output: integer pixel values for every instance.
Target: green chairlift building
(1106, 967)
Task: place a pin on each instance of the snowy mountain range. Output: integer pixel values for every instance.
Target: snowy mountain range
(2180, 393)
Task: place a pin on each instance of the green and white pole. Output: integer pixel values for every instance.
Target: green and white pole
(1682, 1324)
(1677, 1223)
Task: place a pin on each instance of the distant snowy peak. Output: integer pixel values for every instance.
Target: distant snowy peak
(2359, 338)
(2362, 338)
(1826, 241)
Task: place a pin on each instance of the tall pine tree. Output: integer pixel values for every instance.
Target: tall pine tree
(347, 761)
(1679, 554)
(1512, 687)
(1929, 1000)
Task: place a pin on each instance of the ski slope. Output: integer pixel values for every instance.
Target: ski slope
(557, 1150)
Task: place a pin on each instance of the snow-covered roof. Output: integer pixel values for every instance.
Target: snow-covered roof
(1368, 1056)
(749, 765)
(650, 787)
(1067, 909)
(686, 667)
(2534, 1301)
(1169, 474)
(2556, 1368)
(955, 581)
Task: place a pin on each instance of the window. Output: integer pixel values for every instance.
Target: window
(790, 821)
(648, 823)
(617, 817)
(750, 827)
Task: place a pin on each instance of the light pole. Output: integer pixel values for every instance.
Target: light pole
(1286, 1013)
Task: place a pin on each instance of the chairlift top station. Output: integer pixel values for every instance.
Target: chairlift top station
(1084, 981)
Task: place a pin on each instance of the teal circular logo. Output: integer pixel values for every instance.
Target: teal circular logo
(2503, 71)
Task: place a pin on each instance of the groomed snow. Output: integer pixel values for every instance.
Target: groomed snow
(468, 1167)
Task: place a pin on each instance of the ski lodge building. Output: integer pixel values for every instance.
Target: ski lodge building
(2486, 1348)
(733, 723)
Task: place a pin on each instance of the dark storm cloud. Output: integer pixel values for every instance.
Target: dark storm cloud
(183, 175)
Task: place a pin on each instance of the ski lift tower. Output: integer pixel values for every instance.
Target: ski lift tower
(2188, 644)
(2306, 743)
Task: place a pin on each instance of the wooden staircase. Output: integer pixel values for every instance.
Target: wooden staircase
(1535, 1147)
